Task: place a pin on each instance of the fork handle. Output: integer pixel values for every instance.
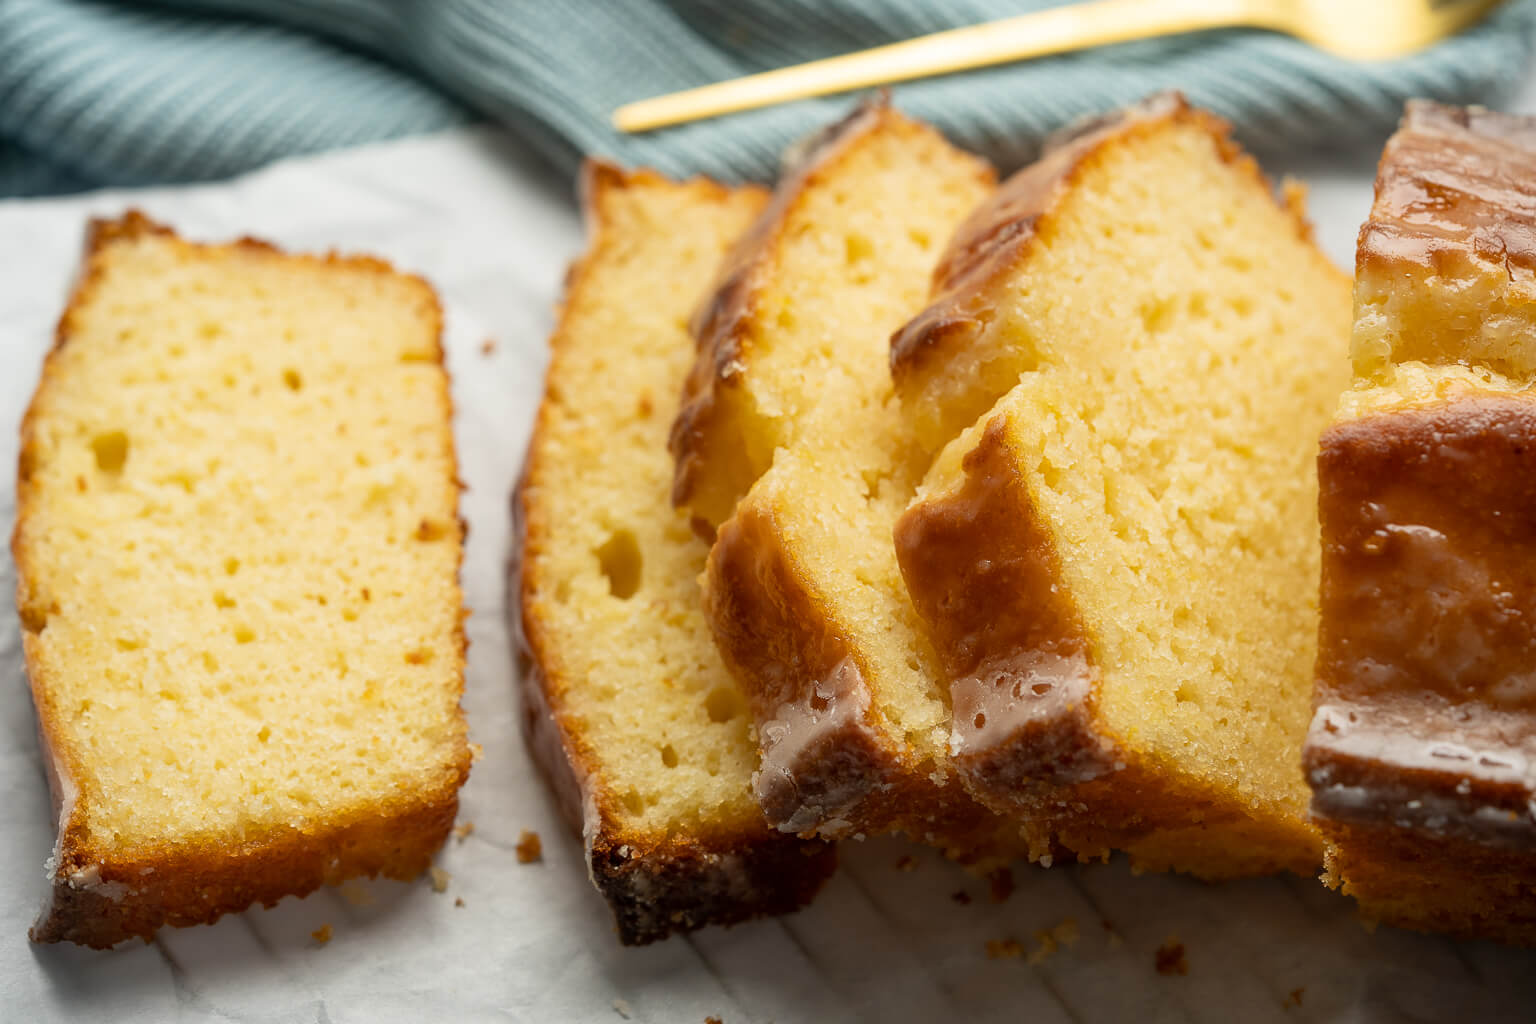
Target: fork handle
(1058, 30)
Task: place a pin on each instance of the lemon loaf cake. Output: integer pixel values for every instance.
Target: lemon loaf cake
(238, 547)
(1117, 559)
(638, 725)
(791, 400)
(1422, 753)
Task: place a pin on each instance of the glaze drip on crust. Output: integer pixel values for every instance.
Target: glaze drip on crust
(823, 737)
(1446, 268)
(1424, 713)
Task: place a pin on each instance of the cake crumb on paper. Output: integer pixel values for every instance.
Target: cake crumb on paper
(530, 849)
(321, 935)
(1294, 999)
(1001, 881)
(1051, 940)
(458, 901)
(464, 831)
(1170, 959)
(713, 1020)
(440, 880)
(488, 347)
(1004, 949)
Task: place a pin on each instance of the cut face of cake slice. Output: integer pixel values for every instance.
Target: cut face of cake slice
(1116, 559)
(628, 708)
(791, 402)
(238, 547)
(1422, 754)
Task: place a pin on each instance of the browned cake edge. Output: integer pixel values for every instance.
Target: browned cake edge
(709, 456)
(830, 764)
(1421, 758)
(1029, 738)
(98, 901)
(656, 884)
(1000, 235)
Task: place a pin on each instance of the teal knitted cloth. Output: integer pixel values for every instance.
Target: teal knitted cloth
(97, 93)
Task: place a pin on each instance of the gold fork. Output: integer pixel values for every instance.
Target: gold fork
(1358, 29)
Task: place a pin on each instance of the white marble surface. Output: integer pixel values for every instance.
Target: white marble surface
(533, 943)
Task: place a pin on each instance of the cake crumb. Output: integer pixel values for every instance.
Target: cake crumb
(458, 901)
(713, 1020)
(1051, 940)
(356, 894)
(1294, 999)
(1169, 958)
(906, 863)
(530, 850)
(440, 880)
(621, 1008)
(961, 897)
(1004, 949)
(1001, 881)
(321, 935)
(488, 347)
(464, 831)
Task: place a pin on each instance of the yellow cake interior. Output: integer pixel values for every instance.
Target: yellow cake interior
(1169, 356)
(240, 544)
(851, 263)
(612, 585)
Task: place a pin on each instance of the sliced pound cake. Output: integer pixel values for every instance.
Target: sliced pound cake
(1117, 559)
(238, 547)
(1422, 754)
(791, 397)
(642, 732)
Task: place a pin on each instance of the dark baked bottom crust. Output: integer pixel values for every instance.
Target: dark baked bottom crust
(1428, 883)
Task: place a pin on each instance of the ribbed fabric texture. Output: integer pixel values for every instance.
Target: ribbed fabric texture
(96, 93)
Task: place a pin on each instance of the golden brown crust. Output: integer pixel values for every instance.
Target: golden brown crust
(715, 462)
(1000, 236)
(1454, 183)
(984, 572)
(100, 898)
(1422, 752)
(656, 883)
(1423, 882)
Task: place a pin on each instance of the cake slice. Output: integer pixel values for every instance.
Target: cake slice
(1116, 559)
(1422, 754)
(627, 707)
(238, 547)
(790, 410)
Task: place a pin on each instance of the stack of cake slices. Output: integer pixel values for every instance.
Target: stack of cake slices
(989, 516)
(892, 501)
